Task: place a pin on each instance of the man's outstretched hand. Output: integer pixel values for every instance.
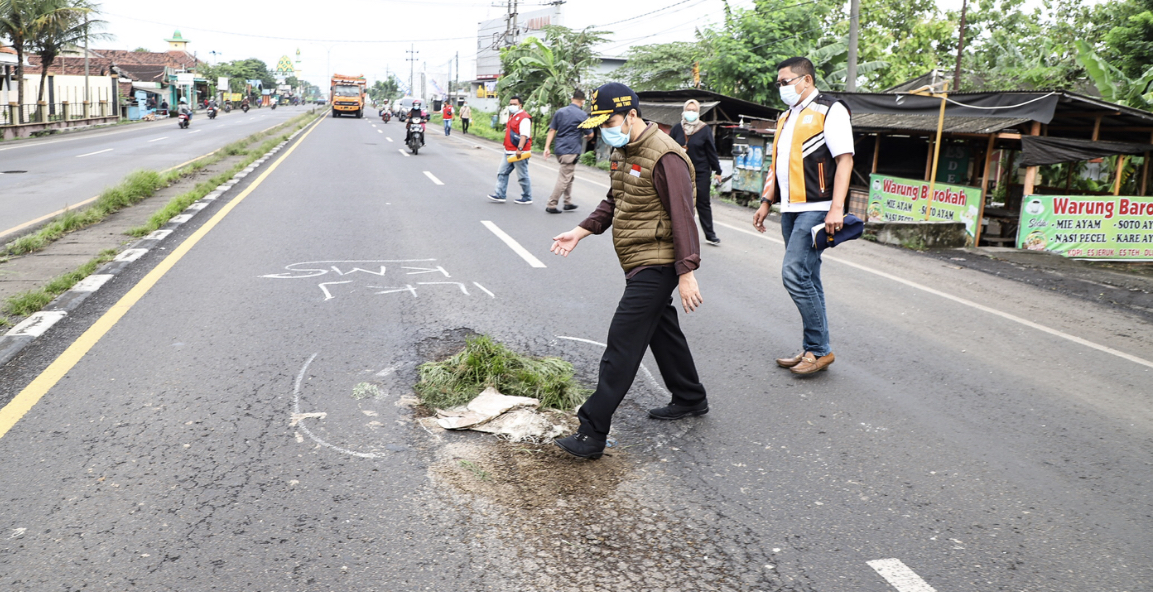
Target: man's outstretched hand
(564, 243)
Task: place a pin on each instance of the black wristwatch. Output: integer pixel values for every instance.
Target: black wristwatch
(766, 200)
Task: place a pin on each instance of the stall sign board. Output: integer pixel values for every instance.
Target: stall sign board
(1116, 228)
(893, 199)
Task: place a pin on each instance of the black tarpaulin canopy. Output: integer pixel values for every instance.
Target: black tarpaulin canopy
(1025, 106)
(1039, 150)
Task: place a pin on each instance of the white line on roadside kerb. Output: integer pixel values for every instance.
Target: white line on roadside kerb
(512, 244)
(900, 576)
(97, 152)
(433, 177)
(969, 303)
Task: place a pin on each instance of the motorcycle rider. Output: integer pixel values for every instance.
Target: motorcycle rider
(184, 108)
(244, 104)
(417, 111)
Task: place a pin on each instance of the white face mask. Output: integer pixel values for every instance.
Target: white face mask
(512, 109)
(790, 95)
(690, 116)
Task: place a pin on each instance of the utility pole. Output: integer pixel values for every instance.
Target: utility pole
(854, 26)
(960, 48)
(412, 69)
(458, 70)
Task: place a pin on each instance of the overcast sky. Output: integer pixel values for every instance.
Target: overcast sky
(371, 37)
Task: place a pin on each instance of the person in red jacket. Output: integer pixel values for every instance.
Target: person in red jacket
(517, 143)
(447, 113)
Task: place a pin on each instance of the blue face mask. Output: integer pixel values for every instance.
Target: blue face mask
(613, 136)
(690, 116)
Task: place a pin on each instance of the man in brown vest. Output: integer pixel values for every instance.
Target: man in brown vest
(650, 210)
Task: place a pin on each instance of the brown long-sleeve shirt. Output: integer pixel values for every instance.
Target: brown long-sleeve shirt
(674, 187)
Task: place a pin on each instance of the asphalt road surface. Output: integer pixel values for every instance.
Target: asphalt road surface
(975, 434)
(40, 177)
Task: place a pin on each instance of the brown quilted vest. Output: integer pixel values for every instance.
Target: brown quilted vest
(642, 229)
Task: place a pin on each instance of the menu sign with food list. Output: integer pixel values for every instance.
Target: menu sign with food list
(1119, 228)
(893, 199)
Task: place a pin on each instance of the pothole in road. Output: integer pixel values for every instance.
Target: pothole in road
(12, 172)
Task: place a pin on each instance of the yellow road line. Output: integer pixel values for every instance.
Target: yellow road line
(23, 402)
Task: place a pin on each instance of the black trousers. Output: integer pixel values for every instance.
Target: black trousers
(645, 318)
(464, 121)
(704, 206)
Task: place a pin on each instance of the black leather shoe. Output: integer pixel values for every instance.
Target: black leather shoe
(552, 210)
(582, 446)
(570, 207)
(673, 411)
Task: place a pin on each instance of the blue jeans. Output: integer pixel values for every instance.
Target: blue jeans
(506, 168)
(447, 127)
(801, 274)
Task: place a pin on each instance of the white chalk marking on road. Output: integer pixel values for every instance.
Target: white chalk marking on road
(401, 150)
(130, 255)
(484, 289)
(420, 270)
(304, 428)
(384, 290)
(387, 138)
(391, 369)
(91, 283)
(158, 139)
(462, 288)
(328, 295)
(97, 152)
(512, 244)
(319, 271)
(37, 324)
(648, 375)
(158, 235)
(969, 303)
(900, 576)
(433, 177)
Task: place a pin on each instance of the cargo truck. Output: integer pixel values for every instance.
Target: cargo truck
(347, 95)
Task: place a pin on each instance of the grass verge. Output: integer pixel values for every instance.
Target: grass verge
(484, 363)
(28, 302)
(135, 187)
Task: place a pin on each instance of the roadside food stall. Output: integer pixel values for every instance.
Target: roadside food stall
(1007, 165)
(735, 123)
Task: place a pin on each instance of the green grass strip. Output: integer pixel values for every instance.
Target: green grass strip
(484, 363)
(28, 302)
(134, 188)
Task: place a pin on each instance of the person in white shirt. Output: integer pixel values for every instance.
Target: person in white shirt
(812, 164)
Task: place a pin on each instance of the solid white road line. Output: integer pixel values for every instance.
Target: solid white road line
(158, 139)
(900, 576)
(512, 244)
(433, 177)
(97, 152)
(401, 150)
(969, 303)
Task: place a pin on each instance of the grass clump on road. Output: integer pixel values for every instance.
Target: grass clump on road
(485, 363)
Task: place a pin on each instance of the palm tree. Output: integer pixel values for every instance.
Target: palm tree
(60, 24)
(17, 21)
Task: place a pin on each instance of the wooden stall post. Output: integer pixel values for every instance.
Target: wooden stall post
(1031, 172)
(984, 189)
(876, 152)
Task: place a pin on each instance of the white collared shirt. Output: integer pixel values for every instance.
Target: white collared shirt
(838, 137)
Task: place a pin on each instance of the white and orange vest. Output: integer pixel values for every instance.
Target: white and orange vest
(811, 164)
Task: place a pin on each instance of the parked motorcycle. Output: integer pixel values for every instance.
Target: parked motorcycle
(415, 135)
(183, 120)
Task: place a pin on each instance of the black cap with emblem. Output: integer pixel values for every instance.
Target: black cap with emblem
(611, 98)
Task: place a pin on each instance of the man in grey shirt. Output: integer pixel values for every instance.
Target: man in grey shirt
(570, 140)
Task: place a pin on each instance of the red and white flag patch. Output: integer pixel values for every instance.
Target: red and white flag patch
(636, 172)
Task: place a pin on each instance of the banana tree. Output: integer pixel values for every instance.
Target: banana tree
(831, 61)
(1113, 85)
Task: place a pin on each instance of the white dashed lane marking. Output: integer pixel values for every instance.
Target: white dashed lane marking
(512, 244)
(158, 139)
(97, 152)
(433, 177)
(401, 150)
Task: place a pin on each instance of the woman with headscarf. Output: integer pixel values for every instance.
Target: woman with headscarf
(696, 137)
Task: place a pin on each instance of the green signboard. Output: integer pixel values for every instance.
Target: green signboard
(1088, 226)
(893, 199)
(953, 166)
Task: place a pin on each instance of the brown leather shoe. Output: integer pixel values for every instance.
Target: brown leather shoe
(790, 362)
(811, 364)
